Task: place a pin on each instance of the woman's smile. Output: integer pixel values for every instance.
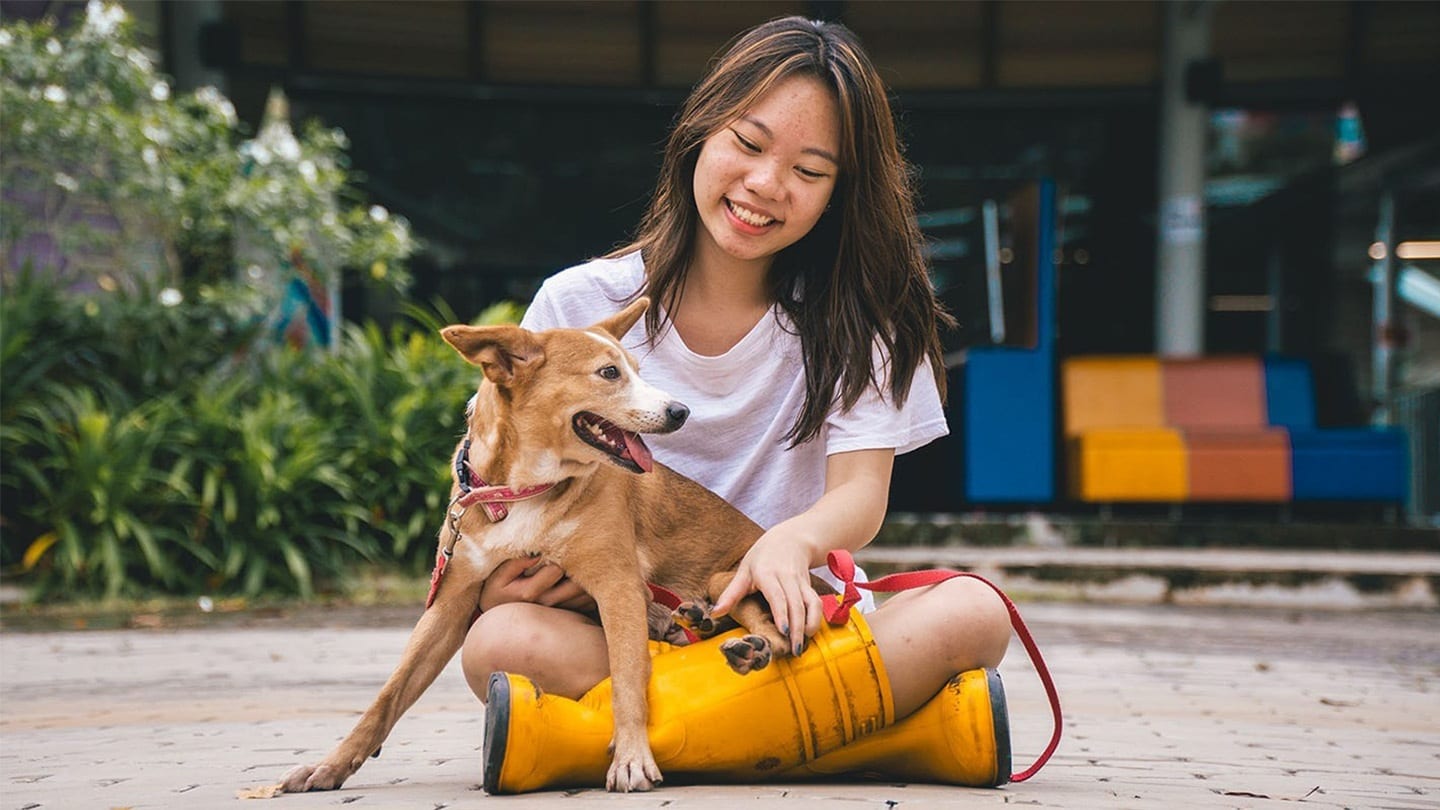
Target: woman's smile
(753, 219)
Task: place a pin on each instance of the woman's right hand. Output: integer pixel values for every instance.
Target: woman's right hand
(526, 580)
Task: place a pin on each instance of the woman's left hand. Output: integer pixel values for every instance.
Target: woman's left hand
(778, 566)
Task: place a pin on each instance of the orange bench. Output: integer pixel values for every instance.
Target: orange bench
(1140, 428)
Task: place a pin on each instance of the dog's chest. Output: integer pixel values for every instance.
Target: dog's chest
(528, 531)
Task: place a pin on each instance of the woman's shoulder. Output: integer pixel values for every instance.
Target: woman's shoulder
(612, 279)
(581, 295)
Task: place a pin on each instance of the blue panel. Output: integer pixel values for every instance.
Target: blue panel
(1289, 393)
(1009, 426)
(1359, 464)
(1009, 409)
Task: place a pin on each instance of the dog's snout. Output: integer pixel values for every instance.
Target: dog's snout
(675, 414)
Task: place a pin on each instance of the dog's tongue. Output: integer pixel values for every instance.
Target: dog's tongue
(639, 453)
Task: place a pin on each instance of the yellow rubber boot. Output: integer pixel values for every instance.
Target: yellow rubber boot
(704, 718)
(960, 737)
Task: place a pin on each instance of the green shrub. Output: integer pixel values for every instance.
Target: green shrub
(276, 502)
(140, 455)
(148, 441)
(126, 345)
(107, 491)
(398, 408)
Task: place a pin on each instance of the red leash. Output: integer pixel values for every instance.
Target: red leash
(842, 565)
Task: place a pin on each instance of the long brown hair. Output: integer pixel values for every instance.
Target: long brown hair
(859, 276)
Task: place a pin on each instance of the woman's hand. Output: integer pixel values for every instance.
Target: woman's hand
(857, 485)
(526, 580)
(778, 566)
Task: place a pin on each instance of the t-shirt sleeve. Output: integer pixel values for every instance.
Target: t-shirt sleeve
(583, 295)
(542, 313)
(875, 423)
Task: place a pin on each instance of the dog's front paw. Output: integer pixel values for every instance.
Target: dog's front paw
(695, 617)
(634, 772)
(747, 653)
(323, 776)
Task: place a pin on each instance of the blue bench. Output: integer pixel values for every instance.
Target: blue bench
(1332, 464)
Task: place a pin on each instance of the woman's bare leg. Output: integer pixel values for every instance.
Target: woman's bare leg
(928, 636)
(562, 651)
(925, 638)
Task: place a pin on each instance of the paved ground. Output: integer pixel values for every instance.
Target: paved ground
(1171, 707)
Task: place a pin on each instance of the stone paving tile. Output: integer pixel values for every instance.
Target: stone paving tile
(1165, 707)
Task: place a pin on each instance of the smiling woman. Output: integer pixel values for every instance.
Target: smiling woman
(792, 312)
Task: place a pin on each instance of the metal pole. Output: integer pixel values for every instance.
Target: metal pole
(1384, 328)
(1180, 254)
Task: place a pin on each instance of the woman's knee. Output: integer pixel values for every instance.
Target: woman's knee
(986, 622)
(961, 621)
(555, 648)
(486, 638)
(503, 639)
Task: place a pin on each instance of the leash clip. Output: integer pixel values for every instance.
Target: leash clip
(453, 518)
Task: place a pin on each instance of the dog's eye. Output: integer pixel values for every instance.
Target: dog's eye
(609, 373)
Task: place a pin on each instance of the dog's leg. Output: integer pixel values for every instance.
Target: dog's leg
(754, 651)
(622, 612)
(434, 641)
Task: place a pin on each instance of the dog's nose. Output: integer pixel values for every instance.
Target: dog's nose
(676, 413)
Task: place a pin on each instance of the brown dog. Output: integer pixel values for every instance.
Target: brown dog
(554, 427)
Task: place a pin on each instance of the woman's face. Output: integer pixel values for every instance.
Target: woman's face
(763, 180)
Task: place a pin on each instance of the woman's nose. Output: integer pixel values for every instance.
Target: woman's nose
(764, 180)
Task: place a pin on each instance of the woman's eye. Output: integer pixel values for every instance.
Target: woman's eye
(810, 173)
(749, 146)
(609, 373)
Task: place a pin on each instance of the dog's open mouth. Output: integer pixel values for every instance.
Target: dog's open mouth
(624, 447)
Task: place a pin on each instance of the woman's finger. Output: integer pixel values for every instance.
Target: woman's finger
(795, 604)
(580, 603)
(509, 570)
(780, 609)
(738, 589)
(561, 592)
(540, 579)
(814, 609)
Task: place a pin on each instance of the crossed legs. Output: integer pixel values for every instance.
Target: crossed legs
(925, 637)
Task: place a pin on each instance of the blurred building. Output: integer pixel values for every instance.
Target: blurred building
(522, 137)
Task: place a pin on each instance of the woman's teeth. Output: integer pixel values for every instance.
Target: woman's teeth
(747, 216)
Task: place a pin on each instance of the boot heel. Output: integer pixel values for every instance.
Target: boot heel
(497, 729)
(1001, 712)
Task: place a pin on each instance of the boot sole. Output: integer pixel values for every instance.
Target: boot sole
(497, 730)
(1000, 713)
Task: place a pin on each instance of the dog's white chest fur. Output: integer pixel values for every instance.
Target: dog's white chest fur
(524, 533)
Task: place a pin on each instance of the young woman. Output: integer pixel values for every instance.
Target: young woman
(793, 314)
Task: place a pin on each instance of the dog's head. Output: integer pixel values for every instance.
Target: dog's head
(573, 392)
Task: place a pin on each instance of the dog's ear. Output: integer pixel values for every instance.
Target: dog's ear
(619, 323)
(502, 352)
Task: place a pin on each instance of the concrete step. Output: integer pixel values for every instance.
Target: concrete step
(1215, 576)
(1159, 526)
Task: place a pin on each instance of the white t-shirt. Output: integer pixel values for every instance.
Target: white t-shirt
(743, 402)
